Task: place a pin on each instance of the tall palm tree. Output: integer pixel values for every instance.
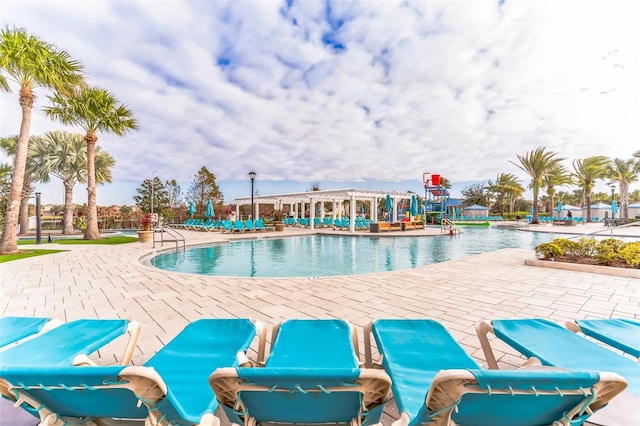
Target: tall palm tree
(537, 164)
(31, 63)
(557, 176)
(9, 145)
(94, 110)
(64, 155)
(623, 172)
(586, 172)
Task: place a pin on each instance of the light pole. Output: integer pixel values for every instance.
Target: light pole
(252, 176)
(38, 222)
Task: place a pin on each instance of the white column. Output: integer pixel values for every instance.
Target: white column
(394, 210)
(256, 214)
(312, 213)
(352, 214)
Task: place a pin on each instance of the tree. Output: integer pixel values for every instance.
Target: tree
(31, 63)
(63, 155)
(9, 146)
(557, 176)
(474, 194)
(94, 110)
(506, 189)
(152, 190)
(537, 164)
(176, 201)
(623, 172)
(586, 172)
(204, 188)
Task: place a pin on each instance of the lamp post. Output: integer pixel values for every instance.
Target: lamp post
(252, 176)
(38, 222)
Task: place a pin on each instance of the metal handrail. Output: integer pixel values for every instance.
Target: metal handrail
(446, 222)
(608, 229)
(177, 237)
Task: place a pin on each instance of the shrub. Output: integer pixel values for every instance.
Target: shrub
(569, 247)
(548, 250)
(630, 252)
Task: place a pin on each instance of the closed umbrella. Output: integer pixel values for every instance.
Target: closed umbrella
(209, 210)
(413, 209)
(192, 209)
(388, 206)
(559, 208)
(614, 208)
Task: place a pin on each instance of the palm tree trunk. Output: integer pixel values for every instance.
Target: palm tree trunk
(68, 209)
(9, 239)
(624, 201)
(92, 232)
(24, 206)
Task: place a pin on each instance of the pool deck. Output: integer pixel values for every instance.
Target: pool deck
(95, 281)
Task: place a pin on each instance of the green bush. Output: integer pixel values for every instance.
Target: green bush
(569, 247)
(548, 250)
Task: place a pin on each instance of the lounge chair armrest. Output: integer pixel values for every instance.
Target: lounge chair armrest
(261, 332)
(402, 421)
(483, 328)
(82, 361)
(573, 326)
(134, 330)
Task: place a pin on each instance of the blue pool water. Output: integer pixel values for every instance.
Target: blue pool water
(325, 255)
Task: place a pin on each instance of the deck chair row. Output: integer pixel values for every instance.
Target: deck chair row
(312, 374)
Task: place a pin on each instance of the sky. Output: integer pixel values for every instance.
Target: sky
(344, 94)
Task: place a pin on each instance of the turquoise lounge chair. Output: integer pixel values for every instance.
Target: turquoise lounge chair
(312, 376)
(14, 329)
(170, 389)
(435, 382)
(260, 226)
(249, 226)
(553, 345)
(71, 343)
(237, 226)
(619, 333)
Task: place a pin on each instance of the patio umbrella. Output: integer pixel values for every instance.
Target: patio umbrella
(559, 208)
(209, 210)
(388, 206)
(413, 210)
(192, 208)
(614, 208)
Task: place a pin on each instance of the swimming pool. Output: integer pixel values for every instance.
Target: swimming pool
(326, 255)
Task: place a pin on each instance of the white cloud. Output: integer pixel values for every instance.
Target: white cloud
(348, 91)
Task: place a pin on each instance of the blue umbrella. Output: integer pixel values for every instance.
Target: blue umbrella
(614, 207)
(209, 210)
(413, 210)
(531, 210)
(388, 206)
(559, 208)
(192, 208)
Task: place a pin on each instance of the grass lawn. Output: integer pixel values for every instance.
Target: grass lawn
(62, 241)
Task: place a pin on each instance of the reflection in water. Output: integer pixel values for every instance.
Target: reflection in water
(324, 255)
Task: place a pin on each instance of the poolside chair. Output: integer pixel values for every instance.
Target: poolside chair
(15, 329)
(170, 389)
(619, 333)
(249, 226)
(553, 345)
(237, 226)
(311, 376)
(435, 382)
(71, 343)
(260, 226)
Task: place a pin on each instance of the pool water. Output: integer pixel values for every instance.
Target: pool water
(326, 255)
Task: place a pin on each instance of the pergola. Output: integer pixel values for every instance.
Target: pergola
(299, 200)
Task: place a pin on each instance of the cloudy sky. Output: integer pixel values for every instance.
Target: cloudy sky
(366, 94)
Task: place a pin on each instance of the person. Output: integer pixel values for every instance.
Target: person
(569, 215)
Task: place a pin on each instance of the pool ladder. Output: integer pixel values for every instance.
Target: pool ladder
(447, 226)
(175, 237)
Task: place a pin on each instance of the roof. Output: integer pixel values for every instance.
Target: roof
(325, 195)
(476, 207)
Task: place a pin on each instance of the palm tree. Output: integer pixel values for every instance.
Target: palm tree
(623, 172)
(94, 110)
(557, 176)
(9, 145)
(537, 164)
(63, 155)
(31, 63)
(587, 171)
(505, 188)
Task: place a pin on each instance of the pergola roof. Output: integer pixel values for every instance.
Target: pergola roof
(325, 195)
